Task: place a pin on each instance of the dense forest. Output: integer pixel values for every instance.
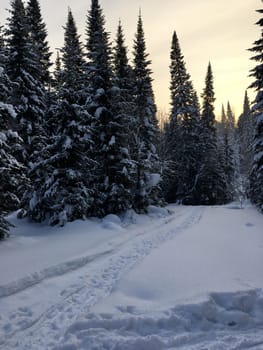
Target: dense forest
(80, 137)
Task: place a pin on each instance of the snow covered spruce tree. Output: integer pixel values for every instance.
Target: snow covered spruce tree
(234, 177)
(146, 131)
(56, 83)
(38, 38)
(28, 95)
(63, 175)
(57, 74)
(113, 193)
(225, 135)
(246, 131)
(11, 171)
(211, 185)
(123, 111)
(256, 178)
(168, 166)
(184, 130)
(231, 120)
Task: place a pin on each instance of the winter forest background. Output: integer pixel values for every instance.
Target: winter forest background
(81, 137)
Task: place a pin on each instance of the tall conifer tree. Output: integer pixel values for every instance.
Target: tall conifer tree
(234, 173)
(57, 74)
(184, 130)
(38, 37)
(11, 171)
(123, 111)
(28, 95)
(246, 131)
(64, 173)
(256, 178)
(230, 119)
(212, 185)
(100, 103)
(146, 131)
(226, 149)
(99, 59)
(113, 179)
(208, 115)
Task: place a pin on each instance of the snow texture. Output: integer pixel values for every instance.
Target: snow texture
(112, 141)
(187, 278)
(9, 108)
(153, 180)
(99, 112)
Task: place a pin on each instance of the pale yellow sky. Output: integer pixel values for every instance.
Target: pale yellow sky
(219, 31)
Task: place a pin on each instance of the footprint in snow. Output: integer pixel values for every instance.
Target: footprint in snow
(25, 311)
(249, 224)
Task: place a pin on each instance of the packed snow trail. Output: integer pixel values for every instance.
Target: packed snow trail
(202, 290)
(36, 310)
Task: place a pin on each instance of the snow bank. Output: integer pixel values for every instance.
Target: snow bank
(157, 211)
(112, 222)
(208, 325)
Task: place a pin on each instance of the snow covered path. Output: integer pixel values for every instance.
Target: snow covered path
(190, 280)
(43, 303)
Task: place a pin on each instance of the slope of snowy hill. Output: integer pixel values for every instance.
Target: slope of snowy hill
(185, 278)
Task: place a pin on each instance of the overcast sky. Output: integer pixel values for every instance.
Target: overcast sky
(219, 31)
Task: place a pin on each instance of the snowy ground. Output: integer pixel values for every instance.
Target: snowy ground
(190, 279)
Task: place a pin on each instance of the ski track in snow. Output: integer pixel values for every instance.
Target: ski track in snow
(24, 330)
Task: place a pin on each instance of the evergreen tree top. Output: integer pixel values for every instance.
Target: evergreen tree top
(245, 115)
(177, 59)
(176, 54)
(208, 95)
(95, 26)
(246, 104)
(120, 57)
(17, 39)
(209, 86)
(71, 37)
(230, 116)
(35, 21)
(141, 62)
(22, 54)
(177, 66)
(38, 36)
(184, 99)
(72, 57)
(99, 52)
